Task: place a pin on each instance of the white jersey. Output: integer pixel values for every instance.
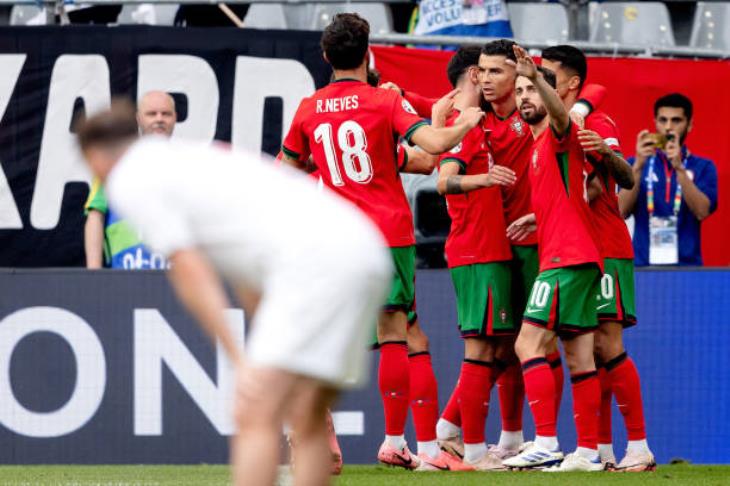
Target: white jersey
(181, 195)
(322, 267)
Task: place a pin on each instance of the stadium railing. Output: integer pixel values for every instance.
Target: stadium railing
(599, 48)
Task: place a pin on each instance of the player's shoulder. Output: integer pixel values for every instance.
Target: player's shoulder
(600, 118)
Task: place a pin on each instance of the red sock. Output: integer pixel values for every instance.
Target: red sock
(511, 397)
(452, 411)
(540, 389)
(586, 404)
(423, 396)
(394, 378)
(626, 386)
(475, 384)
(604, 420)
(556, 365)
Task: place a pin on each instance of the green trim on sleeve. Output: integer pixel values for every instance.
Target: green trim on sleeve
(405, 159)
(448, 160)
(560, 136)
(290, 153)
(409, 133)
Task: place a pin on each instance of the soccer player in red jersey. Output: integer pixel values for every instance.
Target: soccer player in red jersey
(616, 307)
(562, 300)
(478, 255)
(351, 130)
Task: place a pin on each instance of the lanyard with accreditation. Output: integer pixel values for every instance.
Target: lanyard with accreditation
(663, 236)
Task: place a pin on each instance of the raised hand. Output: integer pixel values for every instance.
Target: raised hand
(443, 107)
(525, 65)
(471, 116)
(593, 142)
(390, 85)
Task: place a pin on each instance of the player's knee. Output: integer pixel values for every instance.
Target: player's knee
(417, 340)
(531, 343)
(608, 342)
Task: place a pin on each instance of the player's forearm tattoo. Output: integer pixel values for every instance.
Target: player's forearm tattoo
(453, 185)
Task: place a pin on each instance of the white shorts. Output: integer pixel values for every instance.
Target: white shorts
(317, 317)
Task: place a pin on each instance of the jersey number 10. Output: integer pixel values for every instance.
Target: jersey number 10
(353, 145)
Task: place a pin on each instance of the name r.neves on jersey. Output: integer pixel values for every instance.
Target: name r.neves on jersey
(334, 105)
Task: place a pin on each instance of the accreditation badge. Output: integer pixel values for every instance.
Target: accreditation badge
(663, 240)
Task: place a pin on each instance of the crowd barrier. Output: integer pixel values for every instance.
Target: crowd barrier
(244, 86)
(105, 367)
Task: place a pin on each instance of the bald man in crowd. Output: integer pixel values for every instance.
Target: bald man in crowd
(108, 240)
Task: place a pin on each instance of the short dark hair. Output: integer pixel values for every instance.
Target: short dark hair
(462, 60)
(501, 47)
(569, 57)
(109, 128)
(548, 75)
(674, 100)
(345, 40)
(373, 77)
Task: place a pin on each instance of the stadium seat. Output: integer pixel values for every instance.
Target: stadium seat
(378, 14)
(539, 22)
(645, 23)
(266, 16)
(711, 27)
(147, 13)
(27, 15)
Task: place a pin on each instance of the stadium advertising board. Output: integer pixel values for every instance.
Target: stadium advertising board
(232, 85)
(104, 367)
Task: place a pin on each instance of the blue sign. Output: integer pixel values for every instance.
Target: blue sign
(104, 367)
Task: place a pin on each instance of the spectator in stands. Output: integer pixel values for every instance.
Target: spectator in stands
(677, 189)
(486, 18)
(108, 240)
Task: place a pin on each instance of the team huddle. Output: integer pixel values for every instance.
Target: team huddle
(538, 251)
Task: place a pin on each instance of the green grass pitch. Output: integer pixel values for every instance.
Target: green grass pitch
(352, 475)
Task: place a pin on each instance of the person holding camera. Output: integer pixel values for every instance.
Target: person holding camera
(677, 189)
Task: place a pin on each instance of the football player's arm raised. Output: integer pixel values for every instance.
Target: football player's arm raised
(439, 140)
(418, 161)
(525, 66)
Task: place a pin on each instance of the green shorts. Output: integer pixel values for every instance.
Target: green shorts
(483, 299)
(403, 290)
(563, 300)
(525, 266)
(403, 287)
(616, 301)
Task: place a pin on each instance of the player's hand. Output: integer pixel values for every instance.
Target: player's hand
(525, 65)
(500, 175)
(593, 142)
(578, 119)
(471, 116)
(441, 110)
(391, 85)
(674, 151)
(522, 227)
(645, 146)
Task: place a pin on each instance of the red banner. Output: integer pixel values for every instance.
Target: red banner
(633, 86)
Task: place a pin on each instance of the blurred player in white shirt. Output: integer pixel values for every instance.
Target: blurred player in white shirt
(312, 274)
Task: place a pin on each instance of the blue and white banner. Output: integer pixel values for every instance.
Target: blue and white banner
(486, 18)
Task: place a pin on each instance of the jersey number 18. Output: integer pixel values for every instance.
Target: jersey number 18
(353, 145)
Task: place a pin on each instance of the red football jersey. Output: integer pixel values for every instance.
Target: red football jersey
(478, 231)
(352, 129)
(510, 143)
(565, 231)
(613, 235)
